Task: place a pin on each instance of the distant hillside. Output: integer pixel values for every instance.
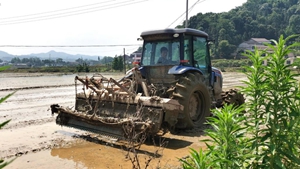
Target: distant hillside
(49, 55)
(254, 19)
(5, 56)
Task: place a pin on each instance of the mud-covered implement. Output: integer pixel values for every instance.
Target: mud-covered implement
(173, 87)
(113, 108)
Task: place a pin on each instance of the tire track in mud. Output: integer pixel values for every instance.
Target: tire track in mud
(29, 123)
(35, 87)
(233, 80)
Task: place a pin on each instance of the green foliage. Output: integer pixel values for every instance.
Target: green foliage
(106, 59)
(231, 63)
(117, 63)
(6, 97)
(274, 109)
(254, 19)
(197, 160)
(15, 60)
(2, 68)
(4, 164)
(265, 135)
(61, 69)
(84, 67)
(4, 123)
(228, 137)
(225, 49)
(229, 144)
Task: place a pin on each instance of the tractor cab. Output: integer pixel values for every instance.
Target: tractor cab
(176, 51)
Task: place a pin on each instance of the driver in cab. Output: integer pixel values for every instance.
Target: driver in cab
(163, 58)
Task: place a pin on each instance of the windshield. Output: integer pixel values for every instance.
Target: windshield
(161, 53)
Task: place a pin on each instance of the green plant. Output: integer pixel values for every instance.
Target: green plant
(197, 160)
(267, 135)
(83, 68)
(2, 68)
(229, 145)
(274, 109)
(255, 90)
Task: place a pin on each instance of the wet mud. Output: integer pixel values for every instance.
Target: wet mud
(33, 138)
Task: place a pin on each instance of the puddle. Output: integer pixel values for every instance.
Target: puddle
(43, 160)
(85, 153)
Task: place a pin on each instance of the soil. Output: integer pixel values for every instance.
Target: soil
(34, 140)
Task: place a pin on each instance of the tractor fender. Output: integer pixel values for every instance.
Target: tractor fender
(217, 75)
(178, 70)
(217, 81)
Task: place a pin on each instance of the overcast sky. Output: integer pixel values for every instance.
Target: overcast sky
(92, 22)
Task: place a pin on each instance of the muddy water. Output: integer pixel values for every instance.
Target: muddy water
(80, 153)
(33, 136)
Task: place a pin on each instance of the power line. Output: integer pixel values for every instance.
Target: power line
(54, 11)
(108, 49)
(70, 13)
(190, 9)
(69, 46)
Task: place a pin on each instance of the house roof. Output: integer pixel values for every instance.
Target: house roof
(260, 40)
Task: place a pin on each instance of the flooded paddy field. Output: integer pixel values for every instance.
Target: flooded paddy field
(33, 137)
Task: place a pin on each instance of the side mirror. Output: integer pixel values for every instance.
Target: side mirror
(210, 42)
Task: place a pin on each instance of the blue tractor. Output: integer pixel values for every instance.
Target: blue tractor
(174, 86)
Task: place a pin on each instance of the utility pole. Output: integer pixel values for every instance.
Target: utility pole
(124, 57)
(186, 13)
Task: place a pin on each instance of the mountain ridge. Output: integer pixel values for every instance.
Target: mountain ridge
(52, 55)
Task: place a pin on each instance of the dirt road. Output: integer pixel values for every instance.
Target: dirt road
(38, 142)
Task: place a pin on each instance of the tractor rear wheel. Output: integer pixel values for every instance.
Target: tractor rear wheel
(232, 96)
(193, 94)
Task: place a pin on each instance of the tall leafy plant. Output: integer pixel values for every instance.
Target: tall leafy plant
(227, 146)
(277, 117)
(267, 135)
(255, 90)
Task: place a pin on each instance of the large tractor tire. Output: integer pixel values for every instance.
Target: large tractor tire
(232, 96)
(193, 94)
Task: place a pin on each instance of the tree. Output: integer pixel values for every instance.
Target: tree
(79, 60)
(84, 67)
(35, 61)
(48, 62)
(118, 63)
(59, 61)
(139, 50)
(106, 59)
(25, 60)
(15, 60)
(294, 26)
(225, 49)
